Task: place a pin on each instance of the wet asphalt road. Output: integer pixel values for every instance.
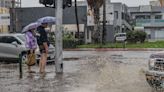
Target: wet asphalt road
(103, 71)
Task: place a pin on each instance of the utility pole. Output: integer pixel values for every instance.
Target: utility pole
(58, 37)
(104, 22)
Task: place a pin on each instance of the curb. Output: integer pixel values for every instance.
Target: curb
(115, 49)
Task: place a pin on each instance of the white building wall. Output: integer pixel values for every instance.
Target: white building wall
(109, 13)
(155, 3)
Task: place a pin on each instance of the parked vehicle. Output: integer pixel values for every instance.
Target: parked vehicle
(12, 45)
(155, 73)
(119, 37)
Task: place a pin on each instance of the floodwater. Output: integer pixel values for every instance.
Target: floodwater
(103, 71)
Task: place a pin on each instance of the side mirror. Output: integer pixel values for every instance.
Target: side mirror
(15, 43)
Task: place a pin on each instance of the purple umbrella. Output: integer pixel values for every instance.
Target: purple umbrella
(47, 19)
(30, 26)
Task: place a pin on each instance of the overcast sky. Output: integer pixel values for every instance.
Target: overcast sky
(34, 3)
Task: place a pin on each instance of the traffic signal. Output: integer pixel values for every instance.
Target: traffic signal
(67, 3)
(51, 3)
(47, 3)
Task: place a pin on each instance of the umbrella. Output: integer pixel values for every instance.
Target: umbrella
(47, 19)
(30, 26)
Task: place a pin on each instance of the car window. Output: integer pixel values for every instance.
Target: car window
(9, 39)
(2, 39)
(22, 37)
(122, 34)
(12, 39)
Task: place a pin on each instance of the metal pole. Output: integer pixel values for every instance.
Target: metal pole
(77, 21)
(104, 22)
(59, 35)
(20, 66)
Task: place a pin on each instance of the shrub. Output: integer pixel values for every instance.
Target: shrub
(69, 41)
(136, 36)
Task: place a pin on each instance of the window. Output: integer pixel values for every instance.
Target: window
(2, 40)
(158, 17)
(8, 39)
(88, 34)
(143, 17)
(22, 37)
(147, 16)
(116, 14)
(123, 15)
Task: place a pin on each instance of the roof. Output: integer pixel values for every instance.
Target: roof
(155, 9)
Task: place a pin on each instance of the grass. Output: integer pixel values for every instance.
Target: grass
(157, 44)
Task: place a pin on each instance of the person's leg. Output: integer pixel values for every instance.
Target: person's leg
(41, 63)
(29, 68)
(44, 61)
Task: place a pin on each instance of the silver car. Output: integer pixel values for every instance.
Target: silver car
(12, 45)
(155, 72)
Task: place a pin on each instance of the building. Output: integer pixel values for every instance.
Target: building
(155, 3)
(5, 6)
(122, 19)
(80, 3)
(10, 3)
(150, 19)
(117, 17)
(117, 20)
(4, 20)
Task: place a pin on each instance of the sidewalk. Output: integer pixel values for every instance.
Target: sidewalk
(114, 49)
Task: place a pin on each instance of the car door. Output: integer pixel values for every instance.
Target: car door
(8, 49)
(3, 50)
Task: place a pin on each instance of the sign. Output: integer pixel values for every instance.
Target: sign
(120, 37)
(4, 19)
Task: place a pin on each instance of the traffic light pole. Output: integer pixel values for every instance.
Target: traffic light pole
(58, 37)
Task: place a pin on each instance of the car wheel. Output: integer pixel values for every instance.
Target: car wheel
(37, 61)
(24, 58)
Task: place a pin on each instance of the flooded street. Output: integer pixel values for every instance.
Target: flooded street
(103, 71)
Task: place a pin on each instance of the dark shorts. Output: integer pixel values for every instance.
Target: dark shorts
(28, 52)
(42, 49)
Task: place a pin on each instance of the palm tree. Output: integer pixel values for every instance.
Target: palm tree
(95, 6)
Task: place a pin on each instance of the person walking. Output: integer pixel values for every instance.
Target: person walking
(31, 44)
(43, 43)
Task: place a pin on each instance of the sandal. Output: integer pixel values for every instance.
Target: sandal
(31, 72)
